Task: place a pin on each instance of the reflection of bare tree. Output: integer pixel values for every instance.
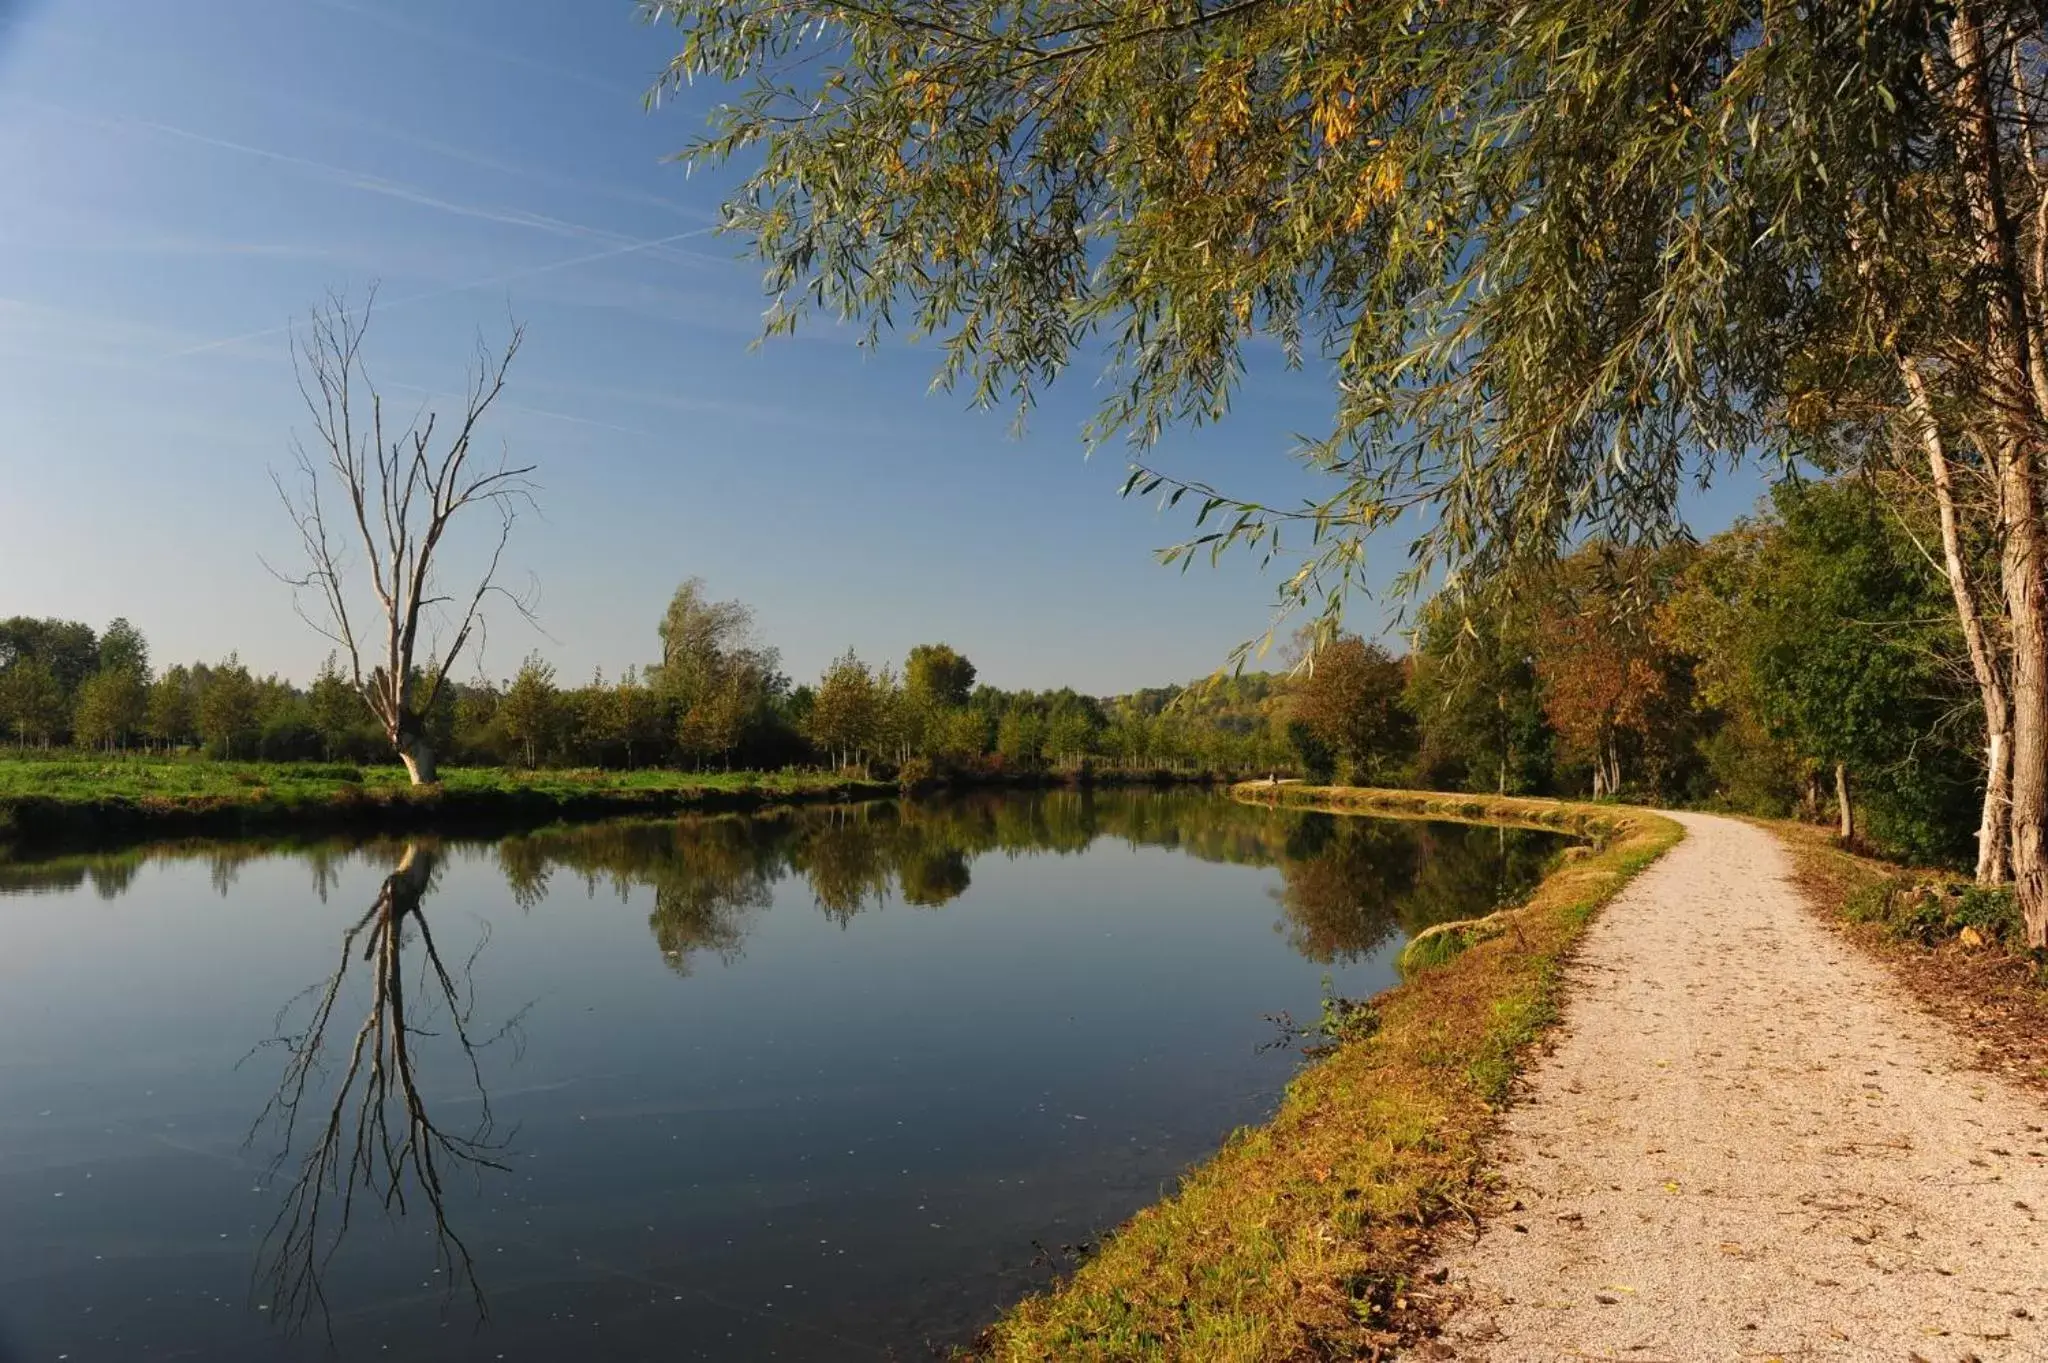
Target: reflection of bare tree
(374, 1138)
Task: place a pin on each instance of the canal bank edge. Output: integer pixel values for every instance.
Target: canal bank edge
(472, 801)
(32, 825)
(1298, 1238)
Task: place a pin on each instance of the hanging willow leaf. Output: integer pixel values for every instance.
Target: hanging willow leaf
(1557, 258)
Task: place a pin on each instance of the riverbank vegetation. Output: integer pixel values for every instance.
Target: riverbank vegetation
(714, 699)
(1297, 1240)
(51, 803)
(1960, 947)
(1801, 662)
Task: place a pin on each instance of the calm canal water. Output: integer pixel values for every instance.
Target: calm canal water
(834, 1084)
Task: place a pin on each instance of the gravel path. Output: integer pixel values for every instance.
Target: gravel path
(1749, 1143)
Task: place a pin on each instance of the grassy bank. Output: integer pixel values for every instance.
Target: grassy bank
(72, 800)
(1296, 1240)
(61, 802)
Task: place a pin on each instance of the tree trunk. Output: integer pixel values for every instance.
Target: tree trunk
(418, 757)
(2017, 423)
(1994, 831)
(2027, 606)
(1842, 805)
(1984, 662)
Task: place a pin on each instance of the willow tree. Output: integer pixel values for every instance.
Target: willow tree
(1560, 259)
(390, 491)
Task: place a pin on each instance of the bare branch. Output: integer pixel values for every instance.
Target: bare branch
(403, 488)
(358, 1146)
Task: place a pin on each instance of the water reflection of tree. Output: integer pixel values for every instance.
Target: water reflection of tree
(111, 880)
(525, 864)
(1467, 869)
(708, 875)
(1344, 883)
(111, 874)
(933, 877)
(713, 878)
(1348, 883)
(844, 855)
(372, 1137)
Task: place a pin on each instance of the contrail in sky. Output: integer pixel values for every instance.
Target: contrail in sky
(484, 283)
(342, 175)
(623, 245)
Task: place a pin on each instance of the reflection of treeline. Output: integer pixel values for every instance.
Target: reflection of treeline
(1351, 884)
(111, 874)
(1347, 884)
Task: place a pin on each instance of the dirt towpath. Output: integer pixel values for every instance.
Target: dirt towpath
(1750, 1144)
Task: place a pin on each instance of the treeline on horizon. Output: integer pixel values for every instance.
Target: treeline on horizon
(717, 698)
(1803, 654)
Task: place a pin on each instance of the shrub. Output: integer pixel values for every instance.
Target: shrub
(1993, 911)
(917, 774)
(1931, 912)
(1872, 903)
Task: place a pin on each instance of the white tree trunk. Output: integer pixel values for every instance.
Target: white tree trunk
(2017, 422)
(418, 756)
(1992, 829)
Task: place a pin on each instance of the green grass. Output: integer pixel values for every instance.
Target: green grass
(78, 798)
(1297, 1239)
(80, 777)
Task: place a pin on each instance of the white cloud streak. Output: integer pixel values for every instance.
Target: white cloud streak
(485, 282)
(363, 181)
(458, 44)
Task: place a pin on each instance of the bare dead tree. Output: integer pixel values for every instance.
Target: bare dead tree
(375, 1139)
(392, 495)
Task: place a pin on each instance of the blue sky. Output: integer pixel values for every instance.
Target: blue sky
(187, 178)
